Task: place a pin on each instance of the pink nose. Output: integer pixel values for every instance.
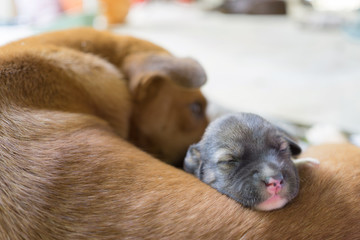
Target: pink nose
(273, 185)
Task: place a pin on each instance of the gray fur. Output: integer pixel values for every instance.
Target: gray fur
(238, 152)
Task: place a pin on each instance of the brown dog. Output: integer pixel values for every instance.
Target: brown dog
(68, 172)
(86, 71)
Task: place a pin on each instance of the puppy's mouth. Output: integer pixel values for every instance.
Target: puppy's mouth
(276, 190)
(275, 201)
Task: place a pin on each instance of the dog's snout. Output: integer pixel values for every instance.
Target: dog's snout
(274, 183)
(278, 178)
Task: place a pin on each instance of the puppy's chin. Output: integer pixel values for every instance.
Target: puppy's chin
(272, 203)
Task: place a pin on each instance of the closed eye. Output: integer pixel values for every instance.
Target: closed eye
(230, 161)
(283, 148)
(197, 109)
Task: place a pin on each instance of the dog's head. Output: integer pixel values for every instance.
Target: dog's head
(169, 109)
(247, 158)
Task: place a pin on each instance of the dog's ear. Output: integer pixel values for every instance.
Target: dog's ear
(143, 69)
(294, 147)
(146, 86)
(193, 160)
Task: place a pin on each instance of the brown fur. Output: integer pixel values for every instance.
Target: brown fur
(67, 171)
(87, 71)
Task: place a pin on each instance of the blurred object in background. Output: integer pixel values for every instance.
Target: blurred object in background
(7, 12)
(74, 13)
(37, 12)
(115, 11)
(253, 6)
(325, 133)
(335, 5)
(71, 6)
(324, 13)
(355, 139)
(45, 15)
(352, 26)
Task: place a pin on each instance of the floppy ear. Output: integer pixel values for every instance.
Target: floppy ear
(193, 160)
(140, 69)
(146, 86)
(294, 147)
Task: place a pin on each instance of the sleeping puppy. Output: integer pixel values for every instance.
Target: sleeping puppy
(145, 94)
(248, 159)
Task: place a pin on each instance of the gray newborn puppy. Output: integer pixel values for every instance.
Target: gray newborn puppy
(248, 159)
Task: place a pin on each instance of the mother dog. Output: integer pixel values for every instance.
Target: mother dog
(71, 104)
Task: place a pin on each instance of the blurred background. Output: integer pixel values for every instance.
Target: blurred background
(295, 62)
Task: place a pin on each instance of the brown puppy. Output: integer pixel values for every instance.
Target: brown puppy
(86, 71)
(66, 174)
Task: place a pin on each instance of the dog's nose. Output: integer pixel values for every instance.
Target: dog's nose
(274, 183)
